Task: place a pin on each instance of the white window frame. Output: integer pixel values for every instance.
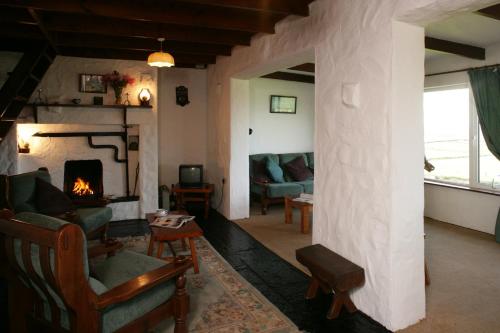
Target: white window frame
(474, 158)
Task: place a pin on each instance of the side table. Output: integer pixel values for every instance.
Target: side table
(198, 194)
(161, 235)
(304, 213)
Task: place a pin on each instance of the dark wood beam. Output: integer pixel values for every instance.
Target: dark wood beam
(290, 77)
(172, 12)
(296, 7)
(307, 67)
(12, 14)
(491, 12)
(464, 50)
(17, 30)
(39, 21)
(127, 28)
(180, 58)
(132, 43)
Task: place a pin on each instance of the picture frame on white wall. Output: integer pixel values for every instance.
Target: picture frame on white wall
(93, 83)
(283, 104)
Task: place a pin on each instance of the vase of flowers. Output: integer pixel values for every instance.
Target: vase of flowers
(118, 81)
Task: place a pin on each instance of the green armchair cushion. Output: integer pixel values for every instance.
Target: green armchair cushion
(310, 160)
(92, 218)
(22, 190)
(120, 268)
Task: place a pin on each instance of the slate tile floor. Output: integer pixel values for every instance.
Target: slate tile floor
(283, 284)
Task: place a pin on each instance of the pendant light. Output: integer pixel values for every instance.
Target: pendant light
(161, 59)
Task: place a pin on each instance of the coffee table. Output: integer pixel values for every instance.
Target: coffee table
(161, 235)
(304, 207)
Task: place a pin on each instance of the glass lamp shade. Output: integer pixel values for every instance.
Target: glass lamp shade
(161, 59)
(144, 96)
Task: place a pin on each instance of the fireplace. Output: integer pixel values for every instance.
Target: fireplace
(83, 180)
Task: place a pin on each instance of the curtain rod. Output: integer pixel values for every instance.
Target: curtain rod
(462, 70)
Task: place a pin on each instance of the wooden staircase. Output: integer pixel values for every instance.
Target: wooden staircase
(22, 82)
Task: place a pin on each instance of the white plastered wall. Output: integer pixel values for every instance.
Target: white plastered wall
(357, 186)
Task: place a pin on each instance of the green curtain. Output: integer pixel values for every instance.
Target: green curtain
(485, 83)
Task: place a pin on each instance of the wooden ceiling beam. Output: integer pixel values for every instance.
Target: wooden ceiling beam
(12, 14)
(17, 30)
(181, 58)
(464, 50)
(127, 28)
(491, 12)
(180, 13)
(290, 77)
(132, 43)
(306, 67)
(295, 7)
(39, 21)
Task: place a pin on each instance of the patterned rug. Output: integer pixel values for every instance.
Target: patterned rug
(221, 300)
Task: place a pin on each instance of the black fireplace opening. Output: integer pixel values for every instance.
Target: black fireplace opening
(83, 179)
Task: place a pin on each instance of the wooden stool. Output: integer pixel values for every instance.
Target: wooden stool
(331, 271)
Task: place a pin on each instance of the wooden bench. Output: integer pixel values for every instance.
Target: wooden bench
(331, 271)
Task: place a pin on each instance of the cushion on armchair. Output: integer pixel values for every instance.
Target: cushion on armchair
(120, 268)
(50, 200)
(22, 189)
(274, 171)
(279, 190)
(298, 170)
(260, 174)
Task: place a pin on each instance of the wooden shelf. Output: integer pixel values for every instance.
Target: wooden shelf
(115, 106)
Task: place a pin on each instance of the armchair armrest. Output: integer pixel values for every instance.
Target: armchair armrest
(260, 183)
(144, 282)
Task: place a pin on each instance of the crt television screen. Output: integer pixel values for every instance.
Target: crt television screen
(190, 175)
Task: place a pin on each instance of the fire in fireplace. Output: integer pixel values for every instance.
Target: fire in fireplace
(83, 179)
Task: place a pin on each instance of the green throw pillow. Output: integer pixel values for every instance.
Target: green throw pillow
(274, 171)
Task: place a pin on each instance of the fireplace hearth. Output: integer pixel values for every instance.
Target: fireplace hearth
(83, 180)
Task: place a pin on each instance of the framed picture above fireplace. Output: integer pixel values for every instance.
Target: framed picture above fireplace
(92, 83)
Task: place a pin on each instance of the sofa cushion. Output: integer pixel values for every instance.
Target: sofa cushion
(285, 158)
(92, 218)
(50, 200)
(274, 171)
(260, 174)
(310, 160)
(22, 190)
(298, 170)
(307, 185)
(279, 190)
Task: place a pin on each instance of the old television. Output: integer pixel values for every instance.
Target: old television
(191, 175)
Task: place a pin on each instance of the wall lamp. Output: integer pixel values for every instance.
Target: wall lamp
(144, 97)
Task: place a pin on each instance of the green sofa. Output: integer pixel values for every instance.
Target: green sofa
(269, 193)
(21, 198)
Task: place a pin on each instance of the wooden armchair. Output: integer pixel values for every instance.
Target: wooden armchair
(51, 289)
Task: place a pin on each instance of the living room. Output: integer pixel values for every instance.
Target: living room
(369, 65)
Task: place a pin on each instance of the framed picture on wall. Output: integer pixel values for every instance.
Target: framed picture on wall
(283, 104)
(92, 83)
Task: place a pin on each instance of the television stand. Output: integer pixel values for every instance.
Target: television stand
(193, 194)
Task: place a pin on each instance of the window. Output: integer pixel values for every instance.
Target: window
(454, 143)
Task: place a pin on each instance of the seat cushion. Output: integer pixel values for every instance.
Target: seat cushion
(279, 190)
(22, 190)
(120, 268)
(92, 218)
(307, 185)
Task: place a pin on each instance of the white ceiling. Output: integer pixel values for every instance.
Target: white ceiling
(469, 28)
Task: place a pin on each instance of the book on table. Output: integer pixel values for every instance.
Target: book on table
(171, 221)
(305, 197)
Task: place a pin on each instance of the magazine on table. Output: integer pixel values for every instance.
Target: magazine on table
(305, 197)
(171, 221)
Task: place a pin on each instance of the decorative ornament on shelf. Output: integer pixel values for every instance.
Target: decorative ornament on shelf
(118, 82)
(161, 59)
(144, 97)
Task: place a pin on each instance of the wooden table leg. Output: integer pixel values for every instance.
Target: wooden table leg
(159, 252)
(304, 219)
(207, 204)
(151, 245)
(194, 257)
(288, 211)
